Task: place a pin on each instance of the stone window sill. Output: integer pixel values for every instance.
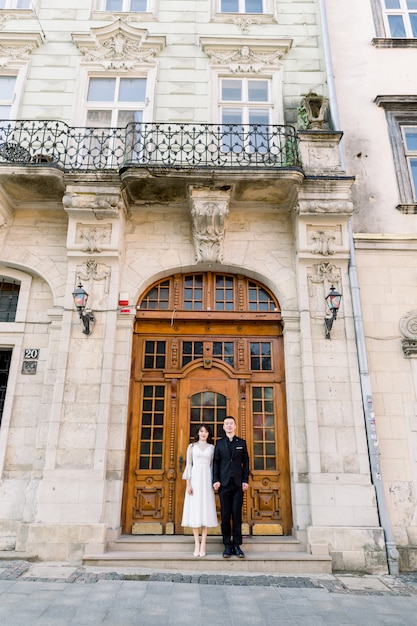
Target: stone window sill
(391, 42)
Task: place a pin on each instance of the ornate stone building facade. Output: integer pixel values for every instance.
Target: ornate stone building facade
(176, 160)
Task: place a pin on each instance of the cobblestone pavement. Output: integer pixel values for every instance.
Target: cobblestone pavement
(401, 585)
(59, 594)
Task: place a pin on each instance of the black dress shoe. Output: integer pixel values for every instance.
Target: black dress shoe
(239, 553)
(227, 552)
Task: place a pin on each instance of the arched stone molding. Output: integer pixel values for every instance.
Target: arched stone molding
(33, 267)
(118, 46)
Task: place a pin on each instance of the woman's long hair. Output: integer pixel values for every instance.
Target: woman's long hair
(208, 429)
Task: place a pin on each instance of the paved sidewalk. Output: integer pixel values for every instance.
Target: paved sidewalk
(56, 594)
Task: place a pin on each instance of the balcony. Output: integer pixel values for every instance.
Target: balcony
(156, 162)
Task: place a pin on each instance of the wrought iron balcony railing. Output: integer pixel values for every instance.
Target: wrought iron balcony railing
(34, 142)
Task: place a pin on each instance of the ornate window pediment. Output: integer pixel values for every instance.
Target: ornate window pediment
(118, 46)
(15, 48)
(245, 55)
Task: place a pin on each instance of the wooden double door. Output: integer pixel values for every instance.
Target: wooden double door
(192, 371)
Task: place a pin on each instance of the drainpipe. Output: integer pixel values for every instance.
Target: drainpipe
(367, 402)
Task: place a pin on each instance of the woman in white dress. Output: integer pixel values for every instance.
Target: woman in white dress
(199, 504)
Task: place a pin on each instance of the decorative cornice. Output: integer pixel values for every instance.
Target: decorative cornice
(118, 46)
(245, 55)
(16, 47)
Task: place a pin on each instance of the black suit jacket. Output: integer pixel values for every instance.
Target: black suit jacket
(226, 466)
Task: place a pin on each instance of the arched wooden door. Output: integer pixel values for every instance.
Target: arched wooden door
(206, 346)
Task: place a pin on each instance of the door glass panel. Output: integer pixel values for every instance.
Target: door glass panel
(154, 357)
(224, 350)
(191, 350)
(151, 427)
(259, 299)
(260, 356)
(193, 292)
(208, 408)
(264, 447)
(225, 300)
(157, 297)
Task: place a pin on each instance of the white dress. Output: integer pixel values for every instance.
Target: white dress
(200, 506)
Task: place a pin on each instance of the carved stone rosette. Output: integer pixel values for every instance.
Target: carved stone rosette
(408, 328)
(209, 211)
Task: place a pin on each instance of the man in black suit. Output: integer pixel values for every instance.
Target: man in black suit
(230, 478)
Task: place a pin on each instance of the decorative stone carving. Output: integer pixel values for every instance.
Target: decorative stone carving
(341, 207)
(323, 242)
(245, 55)
(118, 46)
(244, 22)
(316, 107)
(90, 274)
(101, 205)
(209, 212)
(408, 328)
(91, 237)
(325, 275)
(244, 59)
(16, 48)
(5, 17)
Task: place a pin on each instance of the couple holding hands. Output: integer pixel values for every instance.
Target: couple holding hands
(224, 468)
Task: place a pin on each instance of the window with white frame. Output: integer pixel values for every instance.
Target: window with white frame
(241, 6)
(15, 4)
(7, 94)
(400, 18)
(245, 101)
(401, 114)
(115, 101)
(409, 134)
(139, 6)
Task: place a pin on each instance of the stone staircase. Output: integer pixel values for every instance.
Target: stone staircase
(264, 555)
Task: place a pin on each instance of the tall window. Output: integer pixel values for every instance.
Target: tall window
(7, 90)
(115, 101)
(401, 113)
(5, 358)
(245, 101)
(400, 18)
(15, 4)
(241, 6)
(410, 149)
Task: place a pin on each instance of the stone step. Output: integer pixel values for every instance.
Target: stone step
(273, 563)
(176, 543)
(266, 555)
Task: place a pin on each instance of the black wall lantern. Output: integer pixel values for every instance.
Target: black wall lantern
(333, 302)
(86, 315)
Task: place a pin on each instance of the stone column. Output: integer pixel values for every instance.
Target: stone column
(344, 517)
(72, 492)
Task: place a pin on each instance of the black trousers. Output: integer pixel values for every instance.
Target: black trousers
(231, 501)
